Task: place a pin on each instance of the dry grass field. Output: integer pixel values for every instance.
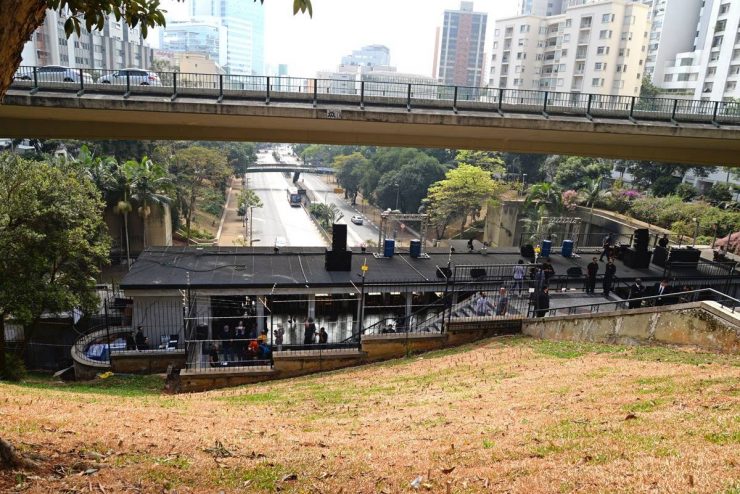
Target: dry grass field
(506, 415)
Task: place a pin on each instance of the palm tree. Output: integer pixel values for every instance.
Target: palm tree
(149, 185)
(547, 197)
(593, 192)
(120, 195)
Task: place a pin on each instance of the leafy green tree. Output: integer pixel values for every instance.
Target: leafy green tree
(719, 193)
(22, 17)
(686, 191)
(248, 199)
(592, 192)
(547, 198)
(487, 160)
(195, 169)
(349, 170)
(665, 186)
(526, 164)
(325, 214)
(409, 184)
(645, 172)
(53, 240)
(461, 194)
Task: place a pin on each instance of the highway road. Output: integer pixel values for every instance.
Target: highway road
(276, 221)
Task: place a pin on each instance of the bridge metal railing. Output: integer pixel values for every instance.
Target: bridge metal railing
(388, 93)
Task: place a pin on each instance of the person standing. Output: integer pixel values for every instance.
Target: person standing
(592, 269)
(309, 331)
(637, 290)
(662, 290)
(481, 305)
(609, 271)
(542, 302)
(471, 246)
(518, 277)
(228, 346)
(502, 305)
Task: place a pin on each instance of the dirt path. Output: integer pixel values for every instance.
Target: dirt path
(232, 232)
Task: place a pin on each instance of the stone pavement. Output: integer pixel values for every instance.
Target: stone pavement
(232, 231)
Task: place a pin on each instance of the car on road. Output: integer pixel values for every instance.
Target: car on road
(357, 219)
(54, 73)
(136, 77)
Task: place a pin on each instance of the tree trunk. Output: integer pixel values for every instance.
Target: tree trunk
(21, 19)
(10, 459)
(3, 362)
(128, 248)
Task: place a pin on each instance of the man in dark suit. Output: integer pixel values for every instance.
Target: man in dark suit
(542, 302)
(637, 290)
(610, 271)
(661, 291)
(592, 269)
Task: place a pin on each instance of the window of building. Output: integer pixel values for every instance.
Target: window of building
(711, 71)
(597, 82)
(566, 38)
(564, 53)
(668, 78)
(717, 42)
(521, 42)
(602, 50)
(607, 18)
(605, 34)
(568, 22)
(598, 66)
(723, 9)
(585, 22)
(497, 33)
(524, 28)
(730, 86)
(495, 45)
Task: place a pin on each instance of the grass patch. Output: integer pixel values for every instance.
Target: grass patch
(570, 350)
(677, 356)
(116, 385)
(723, 438)
(643, 406)
(263, 477)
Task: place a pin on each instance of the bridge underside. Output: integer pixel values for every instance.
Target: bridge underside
(56, 115)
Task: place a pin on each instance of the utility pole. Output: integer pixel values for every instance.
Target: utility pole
(251, 223)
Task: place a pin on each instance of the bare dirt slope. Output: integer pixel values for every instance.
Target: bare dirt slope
(506, 415)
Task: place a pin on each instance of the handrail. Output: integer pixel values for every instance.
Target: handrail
(652, 297)
(393, 93)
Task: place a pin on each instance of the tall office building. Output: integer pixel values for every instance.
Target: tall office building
(241, 49)
(114, 47)
(371, 55)
(711, 70)
(459, 54)
(208, 37)
(541, 8)
(594, 47)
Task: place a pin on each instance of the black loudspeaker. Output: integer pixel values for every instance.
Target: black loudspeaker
(527, 251)
(444, 272)
(660, 256)
(477, 273)
(338, 260)
(339, 237)
(641, 239)
(637, 259)
(201, 332)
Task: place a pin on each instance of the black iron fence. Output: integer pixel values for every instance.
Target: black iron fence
(380, 93)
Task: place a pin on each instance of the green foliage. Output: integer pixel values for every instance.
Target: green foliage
(14, 368)
(665, 185)
(350, 171)
(673, 211)
(574, 172)
(546, 198)
(486, 160)
(462, 193)
(719, 193)
(212, 202)
(325, 214)
(686, 191)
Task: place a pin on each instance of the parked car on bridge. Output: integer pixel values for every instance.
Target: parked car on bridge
(136, 77)
(54, 73)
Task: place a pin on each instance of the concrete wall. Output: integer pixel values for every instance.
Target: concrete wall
(703, 325)
(134, 362)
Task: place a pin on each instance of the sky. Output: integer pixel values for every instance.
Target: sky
(307, 44)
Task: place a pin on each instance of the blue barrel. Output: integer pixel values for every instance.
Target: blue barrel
(389, 247)
(567, 248)
(415, 248)
(546, 248)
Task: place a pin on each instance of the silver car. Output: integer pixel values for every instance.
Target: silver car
(54, 73)
(136, 77)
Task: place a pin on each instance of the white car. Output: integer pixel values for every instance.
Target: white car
(55, 73)
(356, 219)
(136, 77)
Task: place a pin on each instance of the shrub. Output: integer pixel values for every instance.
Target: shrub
(686, 191)
(15, 369)
(719, 193)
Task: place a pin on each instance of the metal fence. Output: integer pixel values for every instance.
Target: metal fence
(376, 92)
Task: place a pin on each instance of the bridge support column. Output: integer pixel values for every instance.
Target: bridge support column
(409, 308)
(260, 317)
(312, 306)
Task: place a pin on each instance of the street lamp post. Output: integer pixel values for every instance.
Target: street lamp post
(251, 224)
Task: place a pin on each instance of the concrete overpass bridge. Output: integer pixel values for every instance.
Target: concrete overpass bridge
(288, 168)
(385, 113)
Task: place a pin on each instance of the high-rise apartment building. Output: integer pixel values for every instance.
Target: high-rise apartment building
(595, 47)
(114, 47)
(673, 31)
(711, 71)
(459, 54)
(241, 44)
(541, 7)
(371, 55)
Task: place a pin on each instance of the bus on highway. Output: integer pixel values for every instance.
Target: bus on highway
(294, 198)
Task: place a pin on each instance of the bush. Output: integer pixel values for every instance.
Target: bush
(673, 212)
(719, 193)
(15, 369)
(686, 191)
(212, 203)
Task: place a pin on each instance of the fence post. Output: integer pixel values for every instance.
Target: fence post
(267, 91)
(220, 88)
(544, 105)
(408, 98)
(588, 107)
(632, 110)
(128, 87)
(315, 92)
(82, 84)
(107, 328)
(35, 87)
(454, 101)
(174, 85)
(362, 95)
(714, 114)
(673, 114)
